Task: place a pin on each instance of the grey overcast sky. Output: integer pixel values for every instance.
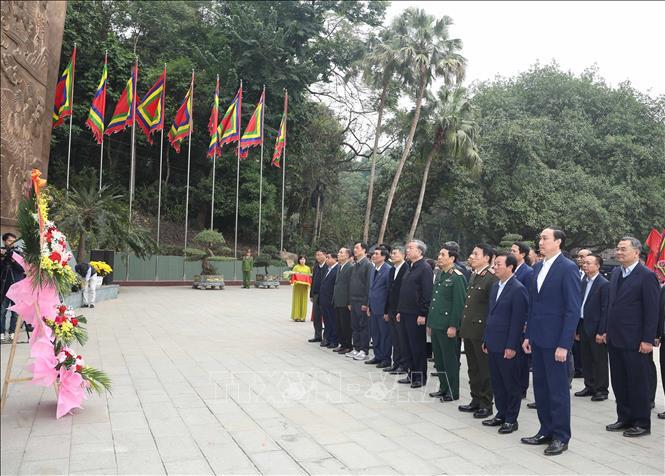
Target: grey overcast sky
(625, 40)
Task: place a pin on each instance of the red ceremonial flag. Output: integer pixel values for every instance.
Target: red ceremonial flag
(123, 115)
(95, 121)
(213, 147)
(280, 143)
(64, 93)
(656, 243)
(253, 135)
(150, 112)
(229, 128)
(182, 124)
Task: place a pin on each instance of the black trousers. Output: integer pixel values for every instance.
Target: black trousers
(417, 338)
(594, 364)
(662, 365)
(317, 317)
(395, 331)
(505, 374)
(343, 316)
(360, 328)
(631, 383)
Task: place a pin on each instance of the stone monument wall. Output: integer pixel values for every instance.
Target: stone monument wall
(30, 56)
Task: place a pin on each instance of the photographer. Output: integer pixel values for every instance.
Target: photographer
(10, 272)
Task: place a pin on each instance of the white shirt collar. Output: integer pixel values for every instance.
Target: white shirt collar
(502, 284)
(590, 279)
(549, 261)
(626, 271)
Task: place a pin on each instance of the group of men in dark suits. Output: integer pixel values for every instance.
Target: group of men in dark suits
(510, 317)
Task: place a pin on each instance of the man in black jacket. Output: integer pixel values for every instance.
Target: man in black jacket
(401, 353)
(414, 300)
(11, 272)
(318, 273)
(590, 330)
(359, 299)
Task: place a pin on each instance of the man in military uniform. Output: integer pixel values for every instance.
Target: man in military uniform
(247, 266)
(443, 320)
(473, 328)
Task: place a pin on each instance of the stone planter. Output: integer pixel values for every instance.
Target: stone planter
(208, 281)
(266, 281)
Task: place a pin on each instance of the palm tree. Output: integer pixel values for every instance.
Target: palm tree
(425, 49)
(378, 70)
(454, 130)
(89, 215)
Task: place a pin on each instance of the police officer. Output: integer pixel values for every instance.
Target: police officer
(473, 328)
(443, 320)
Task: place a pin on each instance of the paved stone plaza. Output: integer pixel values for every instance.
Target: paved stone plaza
(222, 382)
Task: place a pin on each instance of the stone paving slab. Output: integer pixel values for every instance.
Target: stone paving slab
(222, 382)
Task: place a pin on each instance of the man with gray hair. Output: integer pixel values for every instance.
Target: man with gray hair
(414, 299)
(631, 331)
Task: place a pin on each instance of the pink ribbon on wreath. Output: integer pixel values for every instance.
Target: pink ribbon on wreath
(27, 297)
(71, 391)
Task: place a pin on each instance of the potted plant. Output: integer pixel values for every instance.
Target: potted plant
(269, 257)
(210, 245)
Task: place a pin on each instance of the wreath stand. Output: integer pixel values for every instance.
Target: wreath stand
(8, 380)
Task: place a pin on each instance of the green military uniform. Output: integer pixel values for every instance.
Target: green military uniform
(446, 311)
(473, 329)
(247, 266)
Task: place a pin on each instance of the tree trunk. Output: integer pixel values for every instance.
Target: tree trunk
(377, 135)
(416, 216)
(80, 251)
(316, 218)
(402, 160)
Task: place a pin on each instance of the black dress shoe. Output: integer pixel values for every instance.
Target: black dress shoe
(578, 374)
(331, 346)
(416, 384)
(399, 371)
(617, 426)
(586, 392)
(531, 405)
(661, 416)
(448, 398)
(537, 439)
(337, 349)
(494, 422)
(508, 428)
(468, 408)
(524, 394)
(636, 431)
(383, 365)
(438, 394)
(373, 361)
(482, 413)
(556, 447)
(404, 380)
(392, 368)
(324, 343)
(313, 339)
(599, 397)
(343, 351)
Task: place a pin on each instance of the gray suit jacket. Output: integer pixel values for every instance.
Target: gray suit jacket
(341, 291)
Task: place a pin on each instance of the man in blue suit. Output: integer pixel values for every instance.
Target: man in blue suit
(554, 307)
(508, 308)
(593, 322)
(326, 303)
(378, 295)
(631, 332)
(524, 274)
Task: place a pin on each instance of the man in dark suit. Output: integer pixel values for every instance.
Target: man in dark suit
(524, 274)
(401, 354)
(359, 297)
(414, 300)
(326, 301)
(631, 332)
(341, 301)
(508, 308)
(378, 295)
(554, 306)
(590, 330)
(317, 275)
(473, 328)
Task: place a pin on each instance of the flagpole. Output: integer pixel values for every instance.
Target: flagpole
(263, 115)
(281, 237)
(214, 167)
(235, 245)
(71, 116)
(159, 187)
(101, 153)
(131, 172)
(189, 156)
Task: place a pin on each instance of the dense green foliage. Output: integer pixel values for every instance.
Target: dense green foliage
(555, 148)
